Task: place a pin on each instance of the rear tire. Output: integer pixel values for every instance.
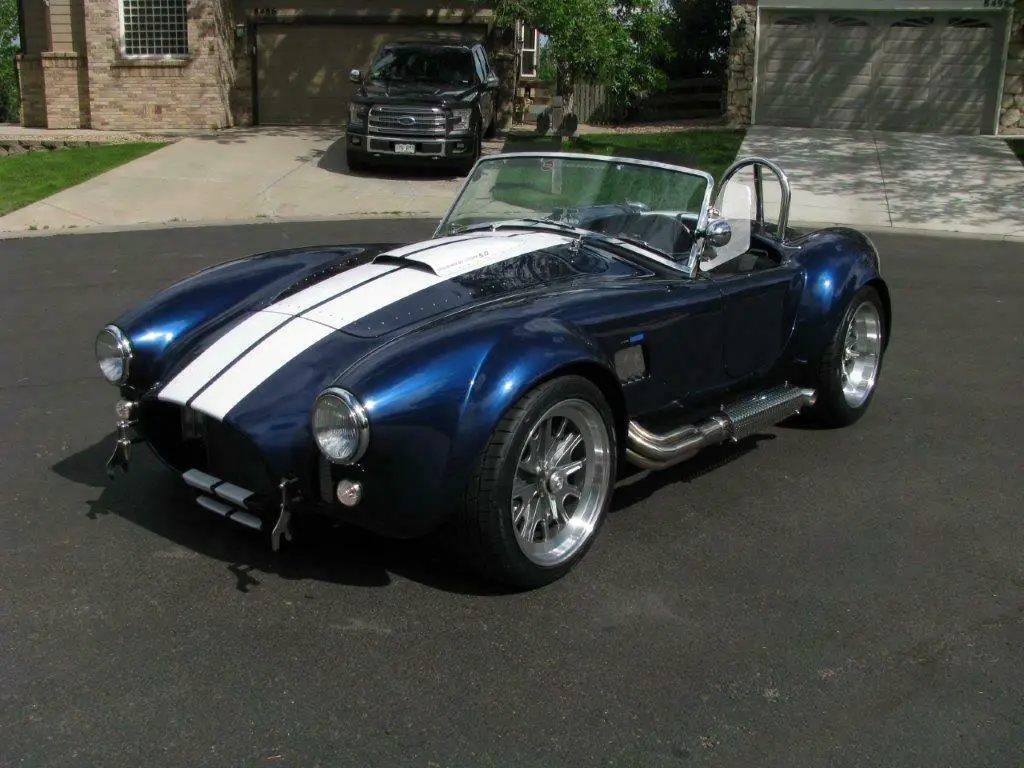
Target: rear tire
(846, 375)
(543, 485)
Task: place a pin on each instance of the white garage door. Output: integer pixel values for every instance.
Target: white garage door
(902, 72)
(302, 70)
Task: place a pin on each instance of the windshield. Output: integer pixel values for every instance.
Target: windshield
(423, 64)
(652, 204)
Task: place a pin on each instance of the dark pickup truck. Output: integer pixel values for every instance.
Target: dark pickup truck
(422, 102)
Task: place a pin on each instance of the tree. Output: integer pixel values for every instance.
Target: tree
(9, 46)
(612, 43)
(699, 34)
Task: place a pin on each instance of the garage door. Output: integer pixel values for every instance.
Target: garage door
(901, 72)
(302, 70)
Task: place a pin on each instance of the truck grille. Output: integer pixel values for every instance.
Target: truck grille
(407, 121)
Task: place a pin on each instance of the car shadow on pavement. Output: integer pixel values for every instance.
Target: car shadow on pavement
(153, 498)
(635, 485)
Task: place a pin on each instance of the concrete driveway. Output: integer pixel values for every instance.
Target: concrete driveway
(240, 175)
(970, 184)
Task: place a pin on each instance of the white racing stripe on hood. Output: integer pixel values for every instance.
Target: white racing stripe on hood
(456, 256)
(254, 368)
(471, 255)
(320, 292)
(255, 327)
(219, 356)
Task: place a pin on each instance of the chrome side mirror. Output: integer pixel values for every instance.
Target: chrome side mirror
(354, 75)
(719, 233)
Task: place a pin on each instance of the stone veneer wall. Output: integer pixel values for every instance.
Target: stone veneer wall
(1011, 118)
(191, 92)
(740, 91)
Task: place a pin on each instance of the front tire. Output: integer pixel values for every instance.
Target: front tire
(543, 485)
(847, 372)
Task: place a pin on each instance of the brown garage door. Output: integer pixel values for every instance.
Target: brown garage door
(910, 71)
(302, 70)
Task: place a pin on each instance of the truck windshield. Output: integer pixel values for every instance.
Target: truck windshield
(423, 64)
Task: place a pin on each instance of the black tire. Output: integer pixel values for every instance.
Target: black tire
(487, 537)
(466, 164)
(356, 162)
(833, 408)
(492, 128)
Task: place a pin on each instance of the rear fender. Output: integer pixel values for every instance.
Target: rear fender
(839, 262)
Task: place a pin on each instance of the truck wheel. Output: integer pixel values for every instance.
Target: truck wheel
(543, 485)
(466, 164)
(356, 162)
(847, 372)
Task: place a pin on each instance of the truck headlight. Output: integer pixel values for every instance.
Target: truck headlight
(340, 426)
(461, 119)
(357, 113)
(113, 354)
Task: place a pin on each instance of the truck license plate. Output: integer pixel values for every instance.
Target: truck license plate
(405, 149)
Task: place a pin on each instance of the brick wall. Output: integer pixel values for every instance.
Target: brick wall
(740, 91)
(33, 90)
(1011, 118)
(192, 92)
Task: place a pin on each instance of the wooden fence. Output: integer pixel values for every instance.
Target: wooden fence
(702, 97)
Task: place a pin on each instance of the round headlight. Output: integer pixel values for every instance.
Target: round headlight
(340, 426)
(113, 354)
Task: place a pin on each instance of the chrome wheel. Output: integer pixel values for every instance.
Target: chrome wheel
(862, 354)
(561, 483)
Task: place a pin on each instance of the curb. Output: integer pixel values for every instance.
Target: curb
(149, 226)
(876, 229)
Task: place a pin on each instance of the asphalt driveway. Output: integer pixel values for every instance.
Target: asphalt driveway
(968, 184)
(808, 598)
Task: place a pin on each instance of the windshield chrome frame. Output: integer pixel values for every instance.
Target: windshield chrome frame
(700, 232)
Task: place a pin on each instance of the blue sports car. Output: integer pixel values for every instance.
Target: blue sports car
(571, 314)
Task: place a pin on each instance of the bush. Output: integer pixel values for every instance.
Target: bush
(10, 101)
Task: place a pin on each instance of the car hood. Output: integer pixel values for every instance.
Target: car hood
(383, 91)
(278, 355)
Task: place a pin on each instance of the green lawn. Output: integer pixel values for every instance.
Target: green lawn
(33, 176)
(711, 151)
(1017, 146)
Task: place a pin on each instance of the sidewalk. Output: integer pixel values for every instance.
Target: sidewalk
(900, 181)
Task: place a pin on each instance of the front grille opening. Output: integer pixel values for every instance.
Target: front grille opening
(186, 439)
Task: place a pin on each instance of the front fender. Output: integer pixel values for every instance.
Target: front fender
(163, 327)
(839, 262)
(434, 398)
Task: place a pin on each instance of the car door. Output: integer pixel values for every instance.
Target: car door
(760, 287)
(758, 312)
(487, 93)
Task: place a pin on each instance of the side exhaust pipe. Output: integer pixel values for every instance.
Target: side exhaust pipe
(648, 450)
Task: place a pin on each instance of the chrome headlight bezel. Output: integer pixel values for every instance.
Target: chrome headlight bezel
(120, 344)
(333, 407)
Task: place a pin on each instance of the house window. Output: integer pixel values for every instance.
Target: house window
(968, 23)
(847, 21)
(795, 21)
(915, 21)
(528, 57)
(155, 27)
